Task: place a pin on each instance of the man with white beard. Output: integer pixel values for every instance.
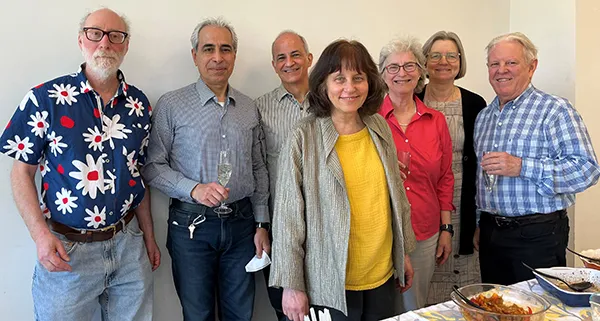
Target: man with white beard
(87, 132)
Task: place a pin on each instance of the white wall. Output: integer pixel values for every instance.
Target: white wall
(39, 43)
(587, 220)
(553, 33)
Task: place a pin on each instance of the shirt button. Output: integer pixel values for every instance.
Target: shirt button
(406, 141)
(408, 188)
(456, 256)
(110, 213)
(500, 124)
(496, 145)
(107, 161)
(224, 136)
(465, 158)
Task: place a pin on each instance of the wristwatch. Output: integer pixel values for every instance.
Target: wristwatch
(265, 225)
(448, 228)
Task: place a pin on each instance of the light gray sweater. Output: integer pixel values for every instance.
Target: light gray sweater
(311, 224)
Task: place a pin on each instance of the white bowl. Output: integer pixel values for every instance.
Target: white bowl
(593, 254)
(571, 275)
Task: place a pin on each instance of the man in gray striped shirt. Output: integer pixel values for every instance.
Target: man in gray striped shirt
(191, 127)
(280, 110)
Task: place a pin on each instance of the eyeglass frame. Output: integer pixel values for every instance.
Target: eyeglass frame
(417, 65)
(105, 33)
(444, 55)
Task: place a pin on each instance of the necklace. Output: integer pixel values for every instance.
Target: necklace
(404, 125)
(435, 98)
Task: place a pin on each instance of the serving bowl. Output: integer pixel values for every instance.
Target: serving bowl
(572, 275)
(524, 299)
(592, 254)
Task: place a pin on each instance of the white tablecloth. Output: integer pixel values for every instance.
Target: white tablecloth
(449, 310)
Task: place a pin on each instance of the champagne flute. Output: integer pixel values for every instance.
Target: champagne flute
(223, 174)
(489, 179)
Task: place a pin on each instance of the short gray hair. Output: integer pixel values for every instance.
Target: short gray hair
(406, 44)
(217, 22)
(291, 32)
(529, 49)
(87, 15)
(448, 35)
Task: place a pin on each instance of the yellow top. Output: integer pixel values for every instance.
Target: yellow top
(369, 262)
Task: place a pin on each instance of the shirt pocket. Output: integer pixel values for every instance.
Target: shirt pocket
(532, 145)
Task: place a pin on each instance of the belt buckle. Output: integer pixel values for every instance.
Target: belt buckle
(112, 227)
(223, 215)
(502, 221)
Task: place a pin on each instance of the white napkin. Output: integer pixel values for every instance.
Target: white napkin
(323, 315)
(257, 264)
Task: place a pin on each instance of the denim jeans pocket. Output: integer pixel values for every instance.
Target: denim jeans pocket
(181, 219)
(133, 228)
(245, 212)
(69, 246)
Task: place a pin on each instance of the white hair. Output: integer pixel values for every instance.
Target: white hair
(529, 49)
(84, 19)
(217, 22)
(406, 44)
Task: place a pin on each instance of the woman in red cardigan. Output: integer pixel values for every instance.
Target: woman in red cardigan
(429, 185)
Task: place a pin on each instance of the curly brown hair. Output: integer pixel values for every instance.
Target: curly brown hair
(349, 55)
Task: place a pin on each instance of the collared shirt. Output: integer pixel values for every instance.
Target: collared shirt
(558, 159)
(430, 183)
(190, 128)
(88, 153)
(280, 113)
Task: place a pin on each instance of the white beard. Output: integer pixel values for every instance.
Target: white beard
(102, 64)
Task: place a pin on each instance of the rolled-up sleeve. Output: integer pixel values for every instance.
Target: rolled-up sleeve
(572, 166)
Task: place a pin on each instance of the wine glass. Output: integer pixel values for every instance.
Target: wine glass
(223, 174)
(404, 158)
(489, 179)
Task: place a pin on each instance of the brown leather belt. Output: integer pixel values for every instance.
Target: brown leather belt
(91, 235)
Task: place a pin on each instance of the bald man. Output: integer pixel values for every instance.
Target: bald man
(87, 134)
(280, 110)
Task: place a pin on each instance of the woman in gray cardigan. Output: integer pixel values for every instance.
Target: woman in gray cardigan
(341, 226)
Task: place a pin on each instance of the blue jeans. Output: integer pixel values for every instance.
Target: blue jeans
(213, 263)
(115, 274)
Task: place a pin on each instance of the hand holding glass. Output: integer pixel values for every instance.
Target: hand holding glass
(489, 179)
(404, 158)
(223, 174)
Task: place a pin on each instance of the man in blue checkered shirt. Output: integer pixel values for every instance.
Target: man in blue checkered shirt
(534, 153)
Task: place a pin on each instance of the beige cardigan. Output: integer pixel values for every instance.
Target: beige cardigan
(311, 220)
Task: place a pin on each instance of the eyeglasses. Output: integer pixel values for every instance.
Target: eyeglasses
(450, 56)
(96, 35)
(393, 69)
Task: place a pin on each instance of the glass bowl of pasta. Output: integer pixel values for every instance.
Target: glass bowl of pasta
(501, 303)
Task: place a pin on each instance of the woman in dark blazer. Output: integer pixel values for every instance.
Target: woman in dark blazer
(446, 62)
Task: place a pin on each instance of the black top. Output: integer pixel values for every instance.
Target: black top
(472, 104)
